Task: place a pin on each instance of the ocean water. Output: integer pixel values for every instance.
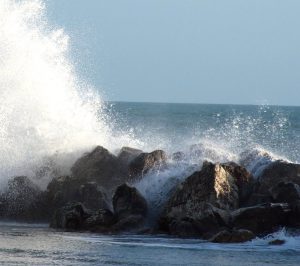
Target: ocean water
(49, 116)
(23, 244)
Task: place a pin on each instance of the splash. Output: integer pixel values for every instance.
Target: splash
(45, 108)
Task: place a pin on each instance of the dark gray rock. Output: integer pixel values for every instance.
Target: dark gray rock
(101, 167)
(261, 219)
(62, 190)
(127, 154)
(277, 242)
(23, 201)
(233, 236)
(285, 192)
(71, 216)
(93, 196)
(128, 201)
(101, 219)
(129, 223)
(276, 172)
(144, 162)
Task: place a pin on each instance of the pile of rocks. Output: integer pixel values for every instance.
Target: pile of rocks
(222, 202)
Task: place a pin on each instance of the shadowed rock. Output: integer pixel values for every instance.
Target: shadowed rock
(261, 219)
(101, 167)
(127, 154)
(285, 192)
(128, 201)
(277, 242)
(233, 236)
(278, 171)
(23, 200)
(146, 161)
(71, 216)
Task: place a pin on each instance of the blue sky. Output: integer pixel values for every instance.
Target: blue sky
(199, 51)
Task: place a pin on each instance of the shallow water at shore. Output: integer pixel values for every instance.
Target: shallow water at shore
(38, 245)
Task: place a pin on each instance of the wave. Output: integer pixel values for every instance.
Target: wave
(49, 115)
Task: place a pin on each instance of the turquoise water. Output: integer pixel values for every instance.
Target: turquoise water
(37, 245)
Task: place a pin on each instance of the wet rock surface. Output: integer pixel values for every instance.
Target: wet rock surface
(223, 202)
(147, 161)
(233, 236)
(101, 167)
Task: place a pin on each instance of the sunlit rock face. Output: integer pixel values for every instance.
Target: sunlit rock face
(204, 200)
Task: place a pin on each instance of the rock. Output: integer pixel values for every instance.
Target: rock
(202, 202)
(243, 179)
(261, 219)
(278, 171)
(101, 219)
(128, 201)
(210, 221)
(258, 199)
(255, 160)
(93, 196)
(146, 161)
(71, 216)
(65, 189)
(127, 154)
(101, 167)
(234, 236)
(294, 217)
(178, 156)
(129, 223)
(23, 201)
(277, 242)
(285, 192)
(62, 190)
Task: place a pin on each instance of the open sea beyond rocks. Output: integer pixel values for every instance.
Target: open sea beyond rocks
(88, 182)
(235, 129)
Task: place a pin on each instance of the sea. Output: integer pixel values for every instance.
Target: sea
(49, 116)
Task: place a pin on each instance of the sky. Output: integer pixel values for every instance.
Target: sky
(187, 51)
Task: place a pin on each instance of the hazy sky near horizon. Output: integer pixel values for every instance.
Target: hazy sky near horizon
(199, 51)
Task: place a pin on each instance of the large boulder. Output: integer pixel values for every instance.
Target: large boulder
(278, 171)
(23, 200)
(129, 201)
(65, 189)
(202, 202)
(206, 223)
(93, 196)
(100, 166)
(243, 179)
(233, 236)
(71, 216)
(144, 162)
(62, 190)
(262, 219)
(100, 221)
(128, 154)
(256, 160)
(285, 192)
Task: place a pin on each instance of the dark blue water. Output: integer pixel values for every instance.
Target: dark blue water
(38, 245)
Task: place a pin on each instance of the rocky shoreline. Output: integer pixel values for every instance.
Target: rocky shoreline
(221, 202)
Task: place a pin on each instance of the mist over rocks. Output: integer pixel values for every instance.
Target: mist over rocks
(106, 193)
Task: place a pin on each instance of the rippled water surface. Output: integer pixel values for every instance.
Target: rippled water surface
(37, 245)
